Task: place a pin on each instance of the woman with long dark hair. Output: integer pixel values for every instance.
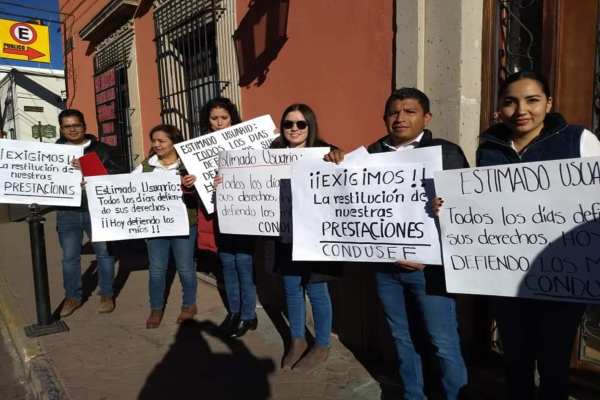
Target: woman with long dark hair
(299, 129)
(235, 252)
(163, 158)
(534, 332)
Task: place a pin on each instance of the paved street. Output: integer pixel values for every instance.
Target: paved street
(10, 386)
(114, 357)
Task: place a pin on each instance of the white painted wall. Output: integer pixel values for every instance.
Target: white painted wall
(52, 80)
(438, 50)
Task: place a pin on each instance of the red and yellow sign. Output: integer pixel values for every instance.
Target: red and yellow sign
(24, 41)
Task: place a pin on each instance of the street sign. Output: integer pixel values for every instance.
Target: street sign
(47, 131)
(24, 41)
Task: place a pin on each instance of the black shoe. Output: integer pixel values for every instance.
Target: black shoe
(243, 327)
(230, 324)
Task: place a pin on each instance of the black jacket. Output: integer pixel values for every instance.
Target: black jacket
(104, 153)
(278, 255)
(452, 155)
(557, 140)
(452, 158)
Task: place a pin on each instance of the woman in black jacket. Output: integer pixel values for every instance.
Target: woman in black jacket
(534, 331)
(299, 129)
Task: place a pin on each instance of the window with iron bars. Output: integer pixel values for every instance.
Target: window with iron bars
(187, 60)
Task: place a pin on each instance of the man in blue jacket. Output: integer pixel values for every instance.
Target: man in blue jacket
(71, 222)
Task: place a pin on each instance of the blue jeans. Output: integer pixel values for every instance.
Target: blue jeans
(239, 283)
(318, 294)
(159, 250)
(439, 316)
(70, 225)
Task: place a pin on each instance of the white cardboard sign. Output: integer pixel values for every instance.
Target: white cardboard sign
(255, 197)
(39, 173)
(136, 206)
(523, 230)
(200, 155)
(367, 214)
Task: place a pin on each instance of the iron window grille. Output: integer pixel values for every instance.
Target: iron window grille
(185, 36)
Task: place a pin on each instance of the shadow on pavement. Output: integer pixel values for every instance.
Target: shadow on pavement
(191, 370)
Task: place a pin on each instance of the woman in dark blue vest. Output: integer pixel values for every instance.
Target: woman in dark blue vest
(534, 331)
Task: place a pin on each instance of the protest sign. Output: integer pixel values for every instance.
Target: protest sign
(356, 156)
(430, 157)
(251, 200)
(372, 214)
(523, 230)
(39, 173)
(200, 155)
(135, 206)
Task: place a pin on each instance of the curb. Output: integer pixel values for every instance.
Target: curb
(39, 375)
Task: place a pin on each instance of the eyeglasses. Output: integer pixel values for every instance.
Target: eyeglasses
(287, 124)
(74, 126)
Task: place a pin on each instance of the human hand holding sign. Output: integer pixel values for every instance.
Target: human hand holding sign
(188, 180)
(436, 206)
(409, 265)
(334, 156)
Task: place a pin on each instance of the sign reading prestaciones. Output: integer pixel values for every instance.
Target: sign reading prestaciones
(368, 214)
(523, 230)
(200, 155)
(39, 173)
(136, 206)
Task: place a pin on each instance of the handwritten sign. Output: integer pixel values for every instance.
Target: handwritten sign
(251, 200)
(523, 230)
(200, 155)
(135, 206)
(374, 214)
(39, 173)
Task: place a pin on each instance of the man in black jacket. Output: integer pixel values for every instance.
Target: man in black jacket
(71, 223)
(406, 116)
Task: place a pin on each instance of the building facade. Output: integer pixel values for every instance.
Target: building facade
(30, 100)
(132, 64)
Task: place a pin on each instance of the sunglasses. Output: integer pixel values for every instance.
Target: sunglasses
(287, 124)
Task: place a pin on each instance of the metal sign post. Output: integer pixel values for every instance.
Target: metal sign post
(45, 324)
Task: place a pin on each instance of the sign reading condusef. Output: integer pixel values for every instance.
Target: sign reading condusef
(24, 41)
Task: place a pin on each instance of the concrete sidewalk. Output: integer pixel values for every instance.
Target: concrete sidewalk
(113, 356)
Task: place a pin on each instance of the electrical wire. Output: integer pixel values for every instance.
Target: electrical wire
(29, 17)
(9, 3)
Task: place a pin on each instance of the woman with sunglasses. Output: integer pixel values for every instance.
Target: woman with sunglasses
(235, 251)
(299, 129)
(163, 158)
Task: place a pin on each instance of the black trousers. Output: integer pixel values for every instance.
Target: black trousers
(542, 331)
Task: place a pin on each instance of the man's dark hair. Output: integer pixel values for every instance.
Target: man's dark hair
(71, 112)
(407, 93)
